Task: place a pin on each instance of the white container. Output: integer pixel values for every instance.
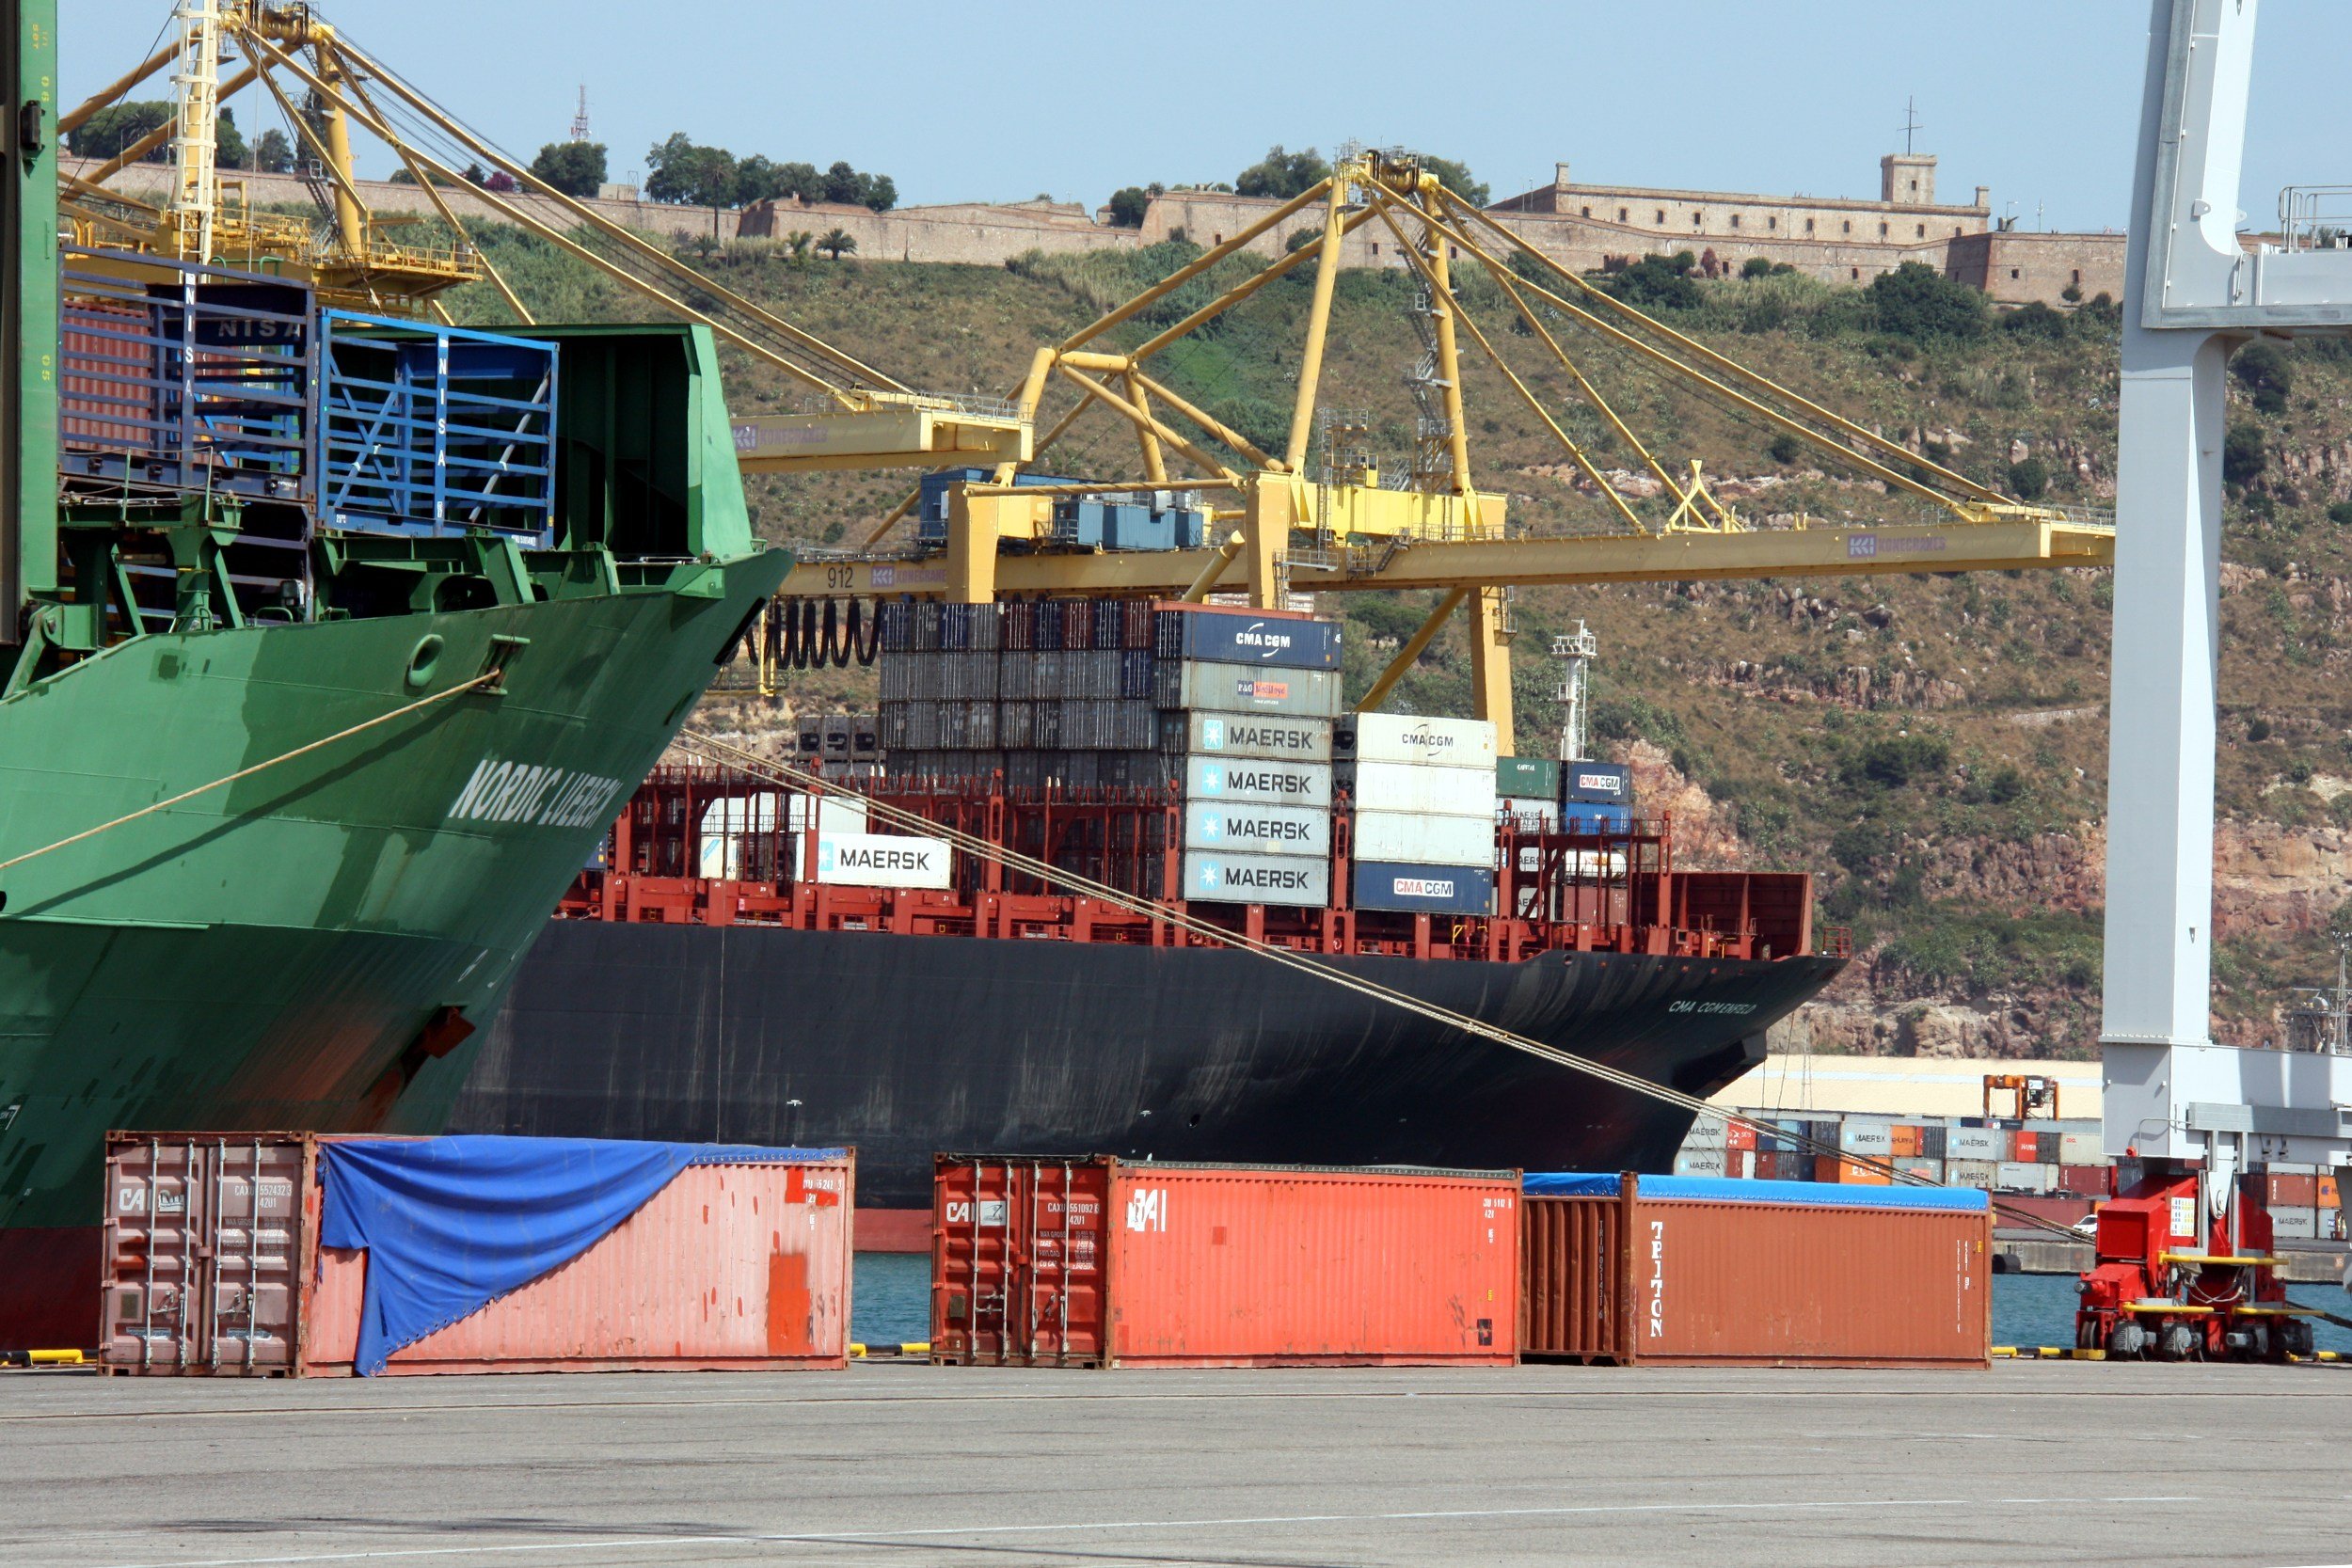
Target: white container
(1699, 1162)
(1866, 1137)
(1285, 784)
(2290, 1223)
(1975, 1143)
(1232, 735)
(883, 860)
(1706, 1133)
(2085, 1148)
(1417, 840)
(1441, 742)
(1231, 878)
(2018, 1176)
(1246, 827)
(1411, 786)
(1529, 815)
(1971, 1173)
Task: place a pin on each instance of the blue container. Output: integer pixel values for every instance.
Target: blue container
(1425, 889)
(1608, 783)
(1583, 816)
(930, 509)
(1245, 637)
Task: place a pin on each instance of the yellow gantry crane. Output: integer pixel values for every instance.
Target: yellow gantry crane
(855, 416)
(1344, 530)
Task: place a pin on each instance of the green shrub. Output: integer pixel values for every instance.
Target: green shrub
(1921, 304)
(2028, 477)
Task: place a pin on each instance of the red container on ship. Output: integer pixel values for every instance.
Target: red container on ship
(1103, 1262)
(215, 1268)
(1685, 1271)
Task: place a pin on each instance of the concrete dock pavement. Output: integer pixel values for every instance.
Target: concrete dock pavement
(907, 1463)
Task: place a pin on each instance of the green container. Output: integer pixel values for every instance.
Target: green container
(1527, 778)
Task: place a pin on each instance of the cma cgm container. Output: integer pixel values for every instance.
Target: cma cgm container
(636, 1256)
(1101, 1263)
(1697, 1271)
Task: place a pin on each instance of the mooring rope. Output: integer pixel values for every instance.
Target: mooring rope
(728, 755)
(483, 679)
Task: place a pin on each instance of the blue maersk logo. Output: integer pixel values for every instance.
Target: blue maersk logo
(1211, 825)
(1213, 734)
(1212, 875)
(1213, 780)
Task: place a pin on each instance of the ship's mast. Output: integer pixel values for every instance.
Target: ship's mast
(1576, 652)
(195, 84)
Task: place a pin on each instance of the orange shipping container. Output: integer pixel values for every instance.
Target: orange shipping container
(2293, 1189)
(738, 1266)
(1803, 1277)
(1738, 1135)
(1831, 1168)
(1098, 1262)
(2326, 1192)
(1907, 1141)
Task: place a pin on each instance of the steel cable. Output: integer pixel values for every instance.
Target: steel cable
(725, 754)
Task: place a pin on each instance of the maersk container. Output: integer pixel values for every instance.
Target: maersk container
(1876, 1139)
(1425, 889)
(1700, 1161)
(1276, 783)
(1697, 1271)
(1975, 1143)
(1417, 787)
(1226, 734)
(1525, 814)
(1246, 689)
(1240, 824)
(1247, 637)
(1403, 738)
(215, 1261)
(1102, 1263)
(1413, 838)
(1240, 878)
(1971, 1173)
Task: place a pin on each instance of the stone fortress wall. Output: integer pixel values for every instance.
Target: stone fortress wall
(1582, 226)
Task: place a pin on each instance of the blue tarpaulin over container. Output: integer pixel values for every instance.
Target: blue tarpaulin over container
(1720, 1189)
(449, 1224)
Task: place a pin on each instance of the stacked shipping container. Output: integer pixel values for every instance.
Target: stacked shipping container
(1424, 795)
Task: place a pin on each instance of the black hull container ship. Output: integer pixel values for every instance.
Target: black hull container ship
(769, 1003)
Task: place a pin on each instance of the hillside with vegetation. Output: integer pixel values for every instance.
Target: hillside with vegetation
(1933, 748)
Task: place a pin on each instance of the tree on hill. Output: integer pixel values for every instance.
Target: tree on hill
(1129, 204)
(2265, 372)
(574, 167)
(850, 188)
(682, 170)
(837, 243)
(118, 125)
(1657, 282)
(1457, 178)
(1920, 304)
(273, 152)
(1281, 174)
(758, 179)
(228, 148)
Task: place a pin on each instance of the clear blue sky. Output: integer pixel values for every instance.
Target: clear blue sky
(2037, 99)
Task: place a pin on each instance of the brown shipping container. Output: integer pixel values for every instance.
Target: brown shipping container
(209, 1273)
(2086, 1181)
(1098, 1262)
(1639, 1280)
(2292, 1191)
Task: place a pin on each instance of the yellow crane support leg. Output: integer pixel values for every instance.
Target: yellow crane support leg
(971, 548)
(1265, 530)
(1490, 666)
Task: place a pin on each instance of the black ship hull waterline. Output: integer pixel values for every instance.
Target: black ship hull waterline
(908, 1046)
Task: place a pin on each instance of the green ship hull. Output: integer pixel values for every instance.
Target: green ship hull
(297, 950)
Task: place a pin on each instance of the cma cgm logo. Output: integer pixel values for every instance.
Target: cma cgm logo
(1426, 739)
(1147, 1209)
(1421, 887)
(1255, 635)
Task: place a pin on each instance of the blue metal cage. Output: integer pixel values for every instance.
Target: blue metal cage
(434, 430)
